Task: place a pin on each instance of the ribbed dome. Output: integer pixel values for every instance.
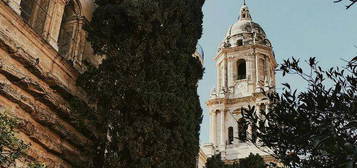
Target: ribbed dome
(244, 26)
(245, 32)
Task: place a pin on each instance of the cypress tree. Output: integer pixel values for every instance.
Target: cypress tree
(146, 88)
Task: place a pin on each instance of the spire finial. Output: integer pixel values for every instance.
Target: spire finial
(244, 12)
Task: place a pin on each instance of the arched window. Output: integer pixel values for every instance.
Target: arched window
(70, 28)
(261, 70)
(242, 130)
(230, 135)
(241, 69)
(34, 13)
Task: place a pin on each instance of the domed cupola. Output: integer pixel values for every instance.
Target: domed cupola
(199, 53)
(245, 31)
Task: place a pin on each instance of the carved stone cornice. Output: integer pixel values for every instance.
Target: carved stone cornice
(226, 101)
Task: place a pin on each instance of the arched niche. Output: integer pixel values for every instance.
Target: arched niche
(261, 70)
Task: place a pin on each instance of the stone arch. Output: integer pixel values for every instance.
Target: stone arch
(70, 30)
(34, 13)
(241, 69)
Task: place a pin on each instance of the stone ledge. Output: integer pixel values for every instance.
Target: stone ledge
(44, 116)
(43, 136)
(41, 93)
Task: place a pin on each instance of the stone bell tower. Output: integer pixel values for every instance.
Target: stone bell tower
(245, 65)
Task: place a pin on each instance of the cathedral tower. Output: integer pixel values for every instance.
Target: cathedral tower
(245, 65)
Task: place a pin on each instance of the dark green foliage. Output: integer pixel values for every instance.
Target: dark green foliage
(253, 161)
(315, 128)
(146, 88)
(215, 162)
(82, 116)
(11, 148)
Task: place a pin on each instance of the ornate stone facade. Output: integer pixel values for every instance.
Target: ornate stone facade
(42, 49)
(245, 65)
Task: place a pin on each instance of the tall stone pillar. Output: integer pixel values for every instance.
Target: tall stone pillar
(223, 129)
(225, 72)
(256, 71)
(213, 129)
(53, 21)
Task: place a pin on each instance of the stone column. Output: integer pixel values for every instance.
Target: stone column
(256, 71)
(230, 72)
(225, 71)
(218, 82)
(213, 129)
(53, 21)
(15, 5)
(223, 129)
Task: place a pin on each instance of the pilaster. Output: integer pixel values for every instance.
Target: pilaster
(222, 141)
(53, 21)
(213, 128)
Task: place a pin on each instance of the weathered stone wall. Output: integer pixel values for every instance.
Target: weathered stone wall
(36, 85)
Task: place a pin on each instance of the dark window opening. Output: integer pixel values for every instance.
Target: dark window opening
(34, 13)
(26, 9)
(261, 71)
(69, 31)
(242, 130)
(241, 68)
(240, 42)
(230, 135)
(243, 16)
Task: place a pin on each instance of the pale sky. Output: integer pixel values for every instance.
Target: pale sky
(299, 28)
